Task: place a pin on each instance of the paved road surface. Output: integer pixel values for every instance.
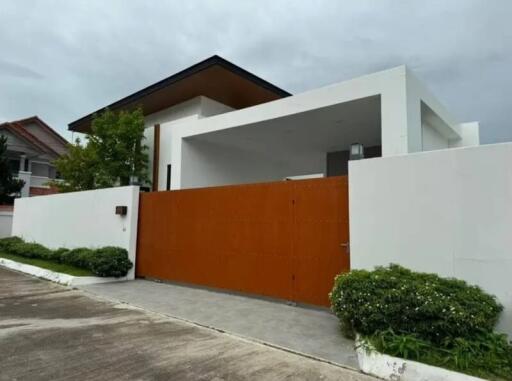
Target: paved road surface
(49, 332)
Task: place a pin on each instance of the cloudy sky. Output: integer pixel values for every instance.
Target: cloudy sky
(64, 59)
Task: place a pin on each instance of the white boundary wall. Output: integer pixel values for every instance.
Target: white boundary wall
(446, 211)
(80, 219)
(5, 223)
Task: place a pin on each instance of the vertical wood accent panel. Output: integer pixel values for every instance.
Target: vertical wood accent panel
(156, 156)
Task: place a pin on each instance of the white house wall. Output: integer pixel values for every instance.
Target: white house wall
(184, 110)
(401, 96)
(80, 219)
(187, 109)
(193, 109)
(207, 164)
(470, 135)
(446, 211)
(431, 139)
(210, 107)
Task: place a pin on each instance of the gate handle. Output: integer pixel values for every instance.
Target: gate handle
(346, 245)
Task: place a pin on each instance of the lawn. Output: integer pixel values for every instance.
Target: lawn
(53, 266)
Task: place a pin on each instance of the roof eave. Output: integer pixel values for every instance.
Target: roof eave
(211, 61)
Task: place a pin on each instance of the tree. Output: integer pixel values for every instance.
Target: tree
(9, 186)
(76, 169)
(114, 154)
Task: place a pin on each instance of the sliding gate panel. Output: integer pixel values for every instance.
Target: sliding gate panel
(279, 239)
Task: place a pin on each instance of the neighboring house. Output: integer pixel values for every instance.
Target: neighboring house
(217, 124)
(32, 146)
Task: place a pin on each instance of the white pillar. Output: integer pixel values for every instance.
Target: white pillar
(400, 117)
(23, 159)
(25, 176)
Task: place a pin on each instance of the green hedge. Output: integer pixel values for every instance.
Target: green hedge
(104, 262)
(424, 317)
(418, 303)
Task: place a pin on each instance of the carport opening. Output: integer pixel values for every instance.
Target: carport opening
(314, 143)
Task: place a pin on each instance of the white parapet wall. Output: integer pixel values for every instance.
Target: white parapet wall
(80, 219)
(447, 212)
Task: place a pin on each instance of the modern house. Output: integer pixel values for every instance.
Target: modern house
(430, 198)
(32, 147)
(214, 123)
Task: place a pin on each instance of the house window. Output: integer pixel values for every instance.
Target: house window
(168, 177)
(40, 169)
(52, 173)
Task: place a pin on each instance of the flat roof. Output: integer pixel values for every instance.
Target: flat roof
(215, 78)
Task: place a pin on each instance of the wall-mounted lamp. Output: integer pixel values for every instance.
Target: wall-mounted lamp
(356, 151)
(121, 210)
(134, 180)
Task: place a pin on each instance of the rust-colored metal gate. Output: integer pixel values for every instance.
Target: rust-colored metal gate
(283, 239)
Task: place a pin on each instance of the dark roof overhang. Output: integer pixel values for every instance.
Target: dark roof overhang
(215, 78)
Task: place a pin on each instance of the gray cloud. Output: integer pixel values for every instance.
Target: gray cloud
(11, 69)
(63, 59)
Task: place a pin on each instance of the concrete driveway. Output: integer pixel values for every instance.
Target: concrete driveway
(315, 332)
(49, 332)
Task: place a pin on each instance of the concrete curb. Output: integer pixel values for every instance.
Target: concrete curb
(396, 369)
(65, 279)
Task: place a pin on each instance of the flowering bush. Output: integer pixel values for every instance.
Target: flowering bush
(407, 302)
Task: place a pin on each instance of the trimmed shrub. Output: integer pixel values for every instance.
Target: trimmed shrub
(110, 261)
(80, 257)
(423, 317)
(58, 254)
(426, 305)
(7, 243)
(30, 250)
(104, 262)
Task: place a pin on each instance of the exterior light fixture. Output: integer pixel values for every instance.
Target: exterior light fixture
(121, 210)
(356, 151)
(134, 180)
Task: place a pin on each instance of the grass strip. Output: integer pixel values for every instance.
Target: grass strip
(48, 265)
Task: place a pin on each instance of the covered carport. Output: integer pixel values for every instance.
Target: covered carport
(315, 142)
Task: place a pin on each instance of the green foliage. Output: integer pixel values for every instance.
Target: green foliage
(423, 317)
(30, 250)
(57, 255)
(393, 297)
(80, 257)
(110, 261)
(487, 355)
(104, 262)
(9, 186)
(117, 141)
(76, 168)
(114, 152)
(6, 244)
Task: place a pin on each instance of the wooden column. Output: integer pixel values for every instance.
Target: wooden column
(156, 156)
